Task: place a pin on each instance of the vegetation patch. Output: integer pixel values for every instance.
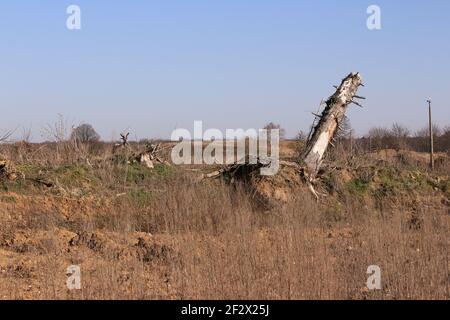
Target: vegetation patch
(141, 197)
(162, 170)
(357, 186)
(30, 170)
(73, 175)
(7, 199)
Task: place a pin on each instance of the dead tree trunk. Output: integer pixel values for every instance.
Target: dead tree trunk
(329, 122)
(321, 136)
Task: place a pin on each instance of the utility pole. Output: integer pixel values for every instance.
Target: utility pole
(431, 135)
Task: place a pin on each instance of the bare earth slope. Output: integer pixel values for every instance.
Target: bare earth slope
(138, 233)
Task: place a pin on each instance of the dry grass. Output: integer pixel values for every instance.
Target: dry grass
(141, 234)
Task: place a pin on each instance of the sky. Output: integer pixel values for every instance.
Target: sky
(151, 66)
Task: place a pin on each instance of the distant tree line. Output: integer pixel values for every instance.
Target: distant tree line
(396, 137)
(400, 137)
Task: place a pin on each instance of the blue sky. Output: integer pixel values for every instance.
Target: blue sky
(154, 65)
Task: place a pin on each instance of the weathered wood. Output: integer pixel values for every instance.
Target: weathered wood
(124, 144)
(8, 171)
(321, 136)
(150, 155)
(329, 122)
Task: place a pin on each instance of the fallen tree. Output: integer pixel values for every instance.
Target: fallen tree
(147, 158)
(150, 155)
(304, 172)
(8, 171)
(329, 122)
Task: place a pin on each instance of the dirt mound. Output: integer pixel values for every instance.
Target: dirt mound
(281, 187)
(271, 190)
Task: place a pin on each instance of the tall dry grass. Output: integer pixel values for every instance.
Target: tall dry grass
(144, 235)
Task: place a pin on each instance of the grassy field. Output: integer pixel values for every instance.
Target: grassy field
(162, 233)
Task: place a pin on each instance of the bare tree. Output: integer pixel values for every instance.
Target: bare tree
(379, 138)
(4, 137)
(400, 134)
(58, 131)
(26, 135)
(300, 144)
(273, 126)
(399, 131)
(301, 136)
(124, 137)
(425, 132)
(443, 141)
(394, 138)
(344, 130)
(378, 132)
(85, 133)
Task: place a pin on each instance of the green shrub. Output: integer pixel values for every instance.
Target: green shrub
(141, 197)
(357, 186)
